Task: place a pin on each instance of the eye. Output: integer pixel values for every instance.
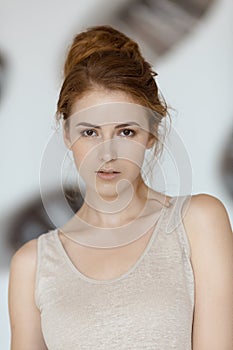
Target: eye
(87, 132)
(128, 131)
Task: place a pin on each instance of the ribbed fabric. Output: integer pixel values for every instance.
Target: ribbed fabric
(149, 307)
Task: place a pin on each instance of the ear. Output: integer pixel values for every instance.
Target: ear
(150, 141)
(66, 136)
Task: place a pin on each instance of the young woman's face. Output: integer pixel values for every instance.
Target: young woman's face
(108, 134)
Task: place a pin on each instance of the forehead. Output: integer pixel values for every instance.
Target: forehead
(111, 113)
(97, 97)
(101, 107)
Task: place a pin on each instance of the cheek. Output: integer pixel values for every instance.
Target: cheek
(85, 157)
(79, 153)
(134, 153)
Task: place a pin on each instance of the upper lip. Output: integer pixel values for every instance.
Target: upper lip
(108, 170)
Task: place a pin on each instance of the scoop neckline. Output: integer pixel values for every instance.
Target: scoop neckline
(125, 274)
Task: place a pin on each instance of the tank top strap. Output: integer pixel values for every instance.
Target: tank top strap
(172, 223)
(47, 257)
(175, 212)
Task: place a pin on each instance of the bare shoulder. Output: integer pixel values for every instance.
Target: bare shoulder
(206, 220)
(23, 265)
(209, 230)
(26, 254)
(203, 201)
(207, 209)
(24, 314)
(23, 268)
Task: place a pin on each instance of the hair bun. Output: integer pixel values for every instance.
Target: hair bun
(96, 40)
(104, 58)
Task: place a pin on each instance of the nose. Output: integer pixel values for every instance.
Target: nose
(107, 151)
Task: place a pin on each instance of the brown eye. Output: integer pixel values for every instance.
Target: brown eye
(128, 132)
(88, 132)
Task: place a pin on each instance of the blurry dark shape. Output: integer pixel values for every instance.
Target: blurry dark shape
(226, 167)
(32, 220)
(157, 25)
(2, 73)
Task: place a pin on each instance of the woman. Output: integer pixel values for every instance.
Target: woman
(115, 276)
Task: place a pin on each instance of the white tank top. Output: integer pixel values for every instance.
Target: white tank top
(149, 307)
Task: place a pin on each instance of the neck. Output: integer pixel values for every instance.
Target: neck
(114, 210)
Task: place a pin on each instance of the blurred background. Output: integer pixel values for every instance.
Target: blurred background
(189, 43)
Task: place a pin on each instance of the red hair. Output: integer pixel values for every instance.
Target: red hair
(103, 57)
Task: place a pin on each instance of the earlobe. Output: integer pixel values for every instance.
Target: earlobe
(150, 142)
(66, 139)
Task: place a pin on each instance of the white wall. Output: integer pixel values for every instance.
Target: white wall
(197, 80)
(195, 77)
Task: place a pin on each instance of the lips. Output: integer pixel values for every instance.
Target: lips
(107, 175)
(108, 171)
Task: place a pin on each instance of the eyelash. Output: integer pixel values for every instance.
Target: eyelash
(132, 131)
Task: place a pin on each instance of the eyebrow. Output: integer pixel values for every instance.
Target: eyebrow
(116, 127)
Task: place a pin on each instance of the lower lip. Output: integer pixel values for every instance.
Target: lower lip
(108, 176)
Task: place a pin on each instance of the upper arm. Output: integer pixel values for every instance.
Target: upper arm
(24, 315)
(211, 238)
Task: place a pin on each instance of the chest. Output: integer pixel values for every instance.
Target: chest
(148, 309)
(103, 264)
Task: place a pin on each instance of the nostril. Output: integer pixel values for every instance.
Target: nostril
(107, 152)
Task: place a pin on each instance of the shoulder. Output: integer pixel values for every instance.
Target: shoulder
(207, 224)
(25, 257)
(204, 201)
(205, 211)
(22, 272)
(24, 314)
(208, 227)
